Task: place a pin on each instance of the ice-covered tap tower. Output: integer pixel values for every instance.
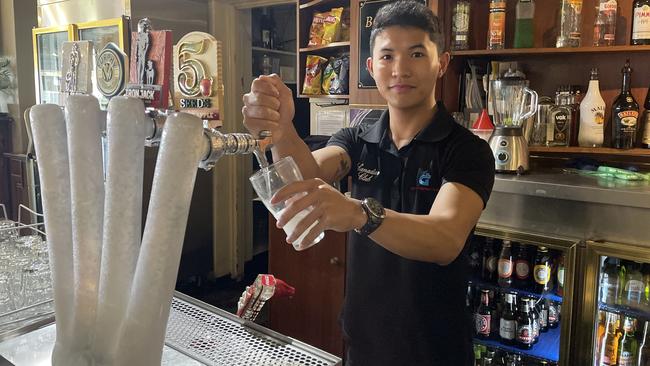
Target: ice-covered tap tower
(113, 287)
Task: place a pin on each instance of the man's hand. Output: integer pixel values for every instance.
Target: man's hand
(330, 209)
(269, 106)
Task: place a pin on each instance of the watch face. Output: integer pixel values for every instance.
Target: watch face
(375, 207)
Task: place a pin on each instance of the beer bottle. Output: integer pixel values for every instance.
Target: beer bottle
(553, 314)
(489, 267)
(542, 270)
(609, 345)
(634, 287)
(609, 281)
(525, 332)
(645, 271)
(508, 321)
(622, 275)
(628, 345)
(522, 267)
(505, 265)
(483, 315)
(560, 275)
(643, 355)
(543, 316)
(475, 255)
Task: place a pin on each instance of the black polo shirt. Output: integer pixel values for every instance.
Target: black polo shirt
(399, 311)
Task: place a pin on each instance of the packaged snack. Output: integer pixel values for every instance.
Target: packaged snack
(328, 75)
(338, 80)
(332, 26)
(317, 30)
(313, 74)
(345, 26)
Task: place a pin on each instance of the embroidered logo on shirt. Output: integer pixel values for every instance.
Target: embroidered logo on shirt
(424, 179)
(365, 174)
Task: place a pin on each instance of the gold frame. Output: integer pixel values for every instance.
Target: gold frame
(570, 246)
(121, 23)
(585, 329)
(70, 29)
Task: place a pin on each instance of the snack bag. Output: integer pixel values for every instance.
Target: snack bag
(328, 75)
(317, 30)
(339, 79)
(332, 26)
(313, 74)
(345, 26)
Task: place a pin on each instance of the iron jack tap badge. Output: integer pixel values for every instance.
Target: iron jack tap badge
(76, 68)
(111, 70)
(150, 65)
(198, 77)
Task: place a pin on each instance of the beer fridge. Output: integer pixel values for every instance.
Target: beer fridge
(521, 296)
(614, 324)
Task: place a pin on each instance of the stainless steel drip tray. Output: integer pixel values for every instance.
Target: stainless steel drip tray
(197, 334)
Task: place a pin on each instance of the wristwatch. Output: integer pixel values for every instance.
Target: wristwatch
(376, 214)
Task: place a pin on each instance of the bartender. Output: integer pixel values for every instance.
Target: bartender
(419, 184)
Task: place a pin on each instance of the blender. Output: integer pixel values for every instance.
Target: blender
(511, 110)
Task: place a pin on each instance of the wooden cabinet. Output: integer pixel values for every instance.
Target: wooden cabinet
(318, 274)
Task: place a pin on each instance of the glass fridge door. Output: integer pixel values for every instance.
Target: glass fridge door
(47, 46)
(520, 298)
(621, 326)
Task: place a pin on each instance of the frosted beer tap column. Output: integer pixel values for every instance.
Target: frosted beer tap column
(122, 217)
(51, 144)
(87, 193)
(143, 332)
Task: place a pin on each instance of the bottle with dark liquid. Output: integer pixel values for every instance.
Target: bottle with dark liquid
(482, 317)
(625, 114)
(525, 332)
(645, 121)
(522, 267)
(489, 267)
(505, 265)
(508, 323)
(641, 22)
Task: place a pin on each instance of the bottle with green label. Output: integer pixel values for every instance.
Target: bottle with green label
(524, 29)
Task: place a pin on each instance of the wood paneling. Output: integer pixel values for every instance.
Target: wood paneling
(318, 274)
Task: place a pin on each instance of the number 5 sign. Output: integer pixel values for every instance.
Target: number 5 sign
(197, 76)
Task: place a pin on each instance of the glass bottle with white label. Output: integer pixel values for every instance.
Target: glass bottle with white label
(641, 22)
(592, 115)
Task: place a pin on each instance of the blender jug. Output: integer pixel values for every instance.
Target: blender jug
(511, 106)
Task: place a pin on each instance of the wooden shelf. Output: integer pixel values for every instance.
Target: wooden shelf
(333, 45)
(589, 150)
(268, 50)
(551, 51)
(327, 96)
(317, 2)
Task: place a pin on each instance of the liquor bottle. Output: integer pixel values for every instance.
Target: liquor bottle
(558, 128)
(641, 22)
(553, 314)
(507, 323)
(482, 317)
(592, 115)
(525, 12)
(574, 95)
(643, 354)
(609, 348)
(542, 270)
(460, 26)
(497, 25)
(605, 25)
(570, 23)
(560, 275)
(489, 268)
(625, 113)
(634, 287)
(505, 265)
(645, 142)
(628, 346)
(543, 316)
(266, 28)
(525, 332)
(609, 281)
(522, 267)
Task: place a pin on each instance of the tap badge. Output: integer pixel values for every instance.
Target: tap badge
(76, 67)
(111, 70)
(197, 76)
(150, 65)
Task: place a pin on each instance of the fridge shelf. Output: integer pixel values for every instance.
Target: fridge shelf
(490, 286)
(546, 349)
(625, 310)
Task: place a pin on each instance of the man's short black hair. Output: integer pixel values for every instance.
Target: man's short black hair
(408, 13)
